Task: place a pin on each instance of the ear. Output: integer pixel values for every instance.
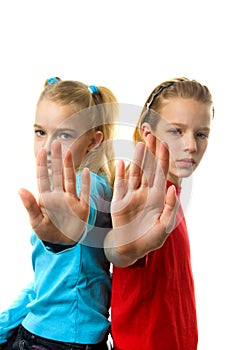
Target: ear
(145, 130)
(95, 140)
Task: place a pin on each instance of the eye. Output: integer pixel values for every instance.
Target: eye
(65, 136)
(39, 132)
(175, 131)
(201, 135)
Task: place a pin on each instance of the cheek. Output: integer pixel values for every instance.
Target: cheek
(202, 149)
(172, 163)
(78, 152)
(175, 144)
(175, 148)
(64, 149)
(68, 145)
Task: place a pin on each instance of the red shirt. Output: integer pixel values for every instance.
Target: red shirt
(153, 302)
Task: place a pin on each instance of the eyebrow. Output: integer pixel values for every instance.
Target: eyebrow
(37, 126)
(183, 125)
(57, 129)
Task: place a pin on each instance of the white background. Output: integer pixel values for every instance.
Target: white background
(130, 47)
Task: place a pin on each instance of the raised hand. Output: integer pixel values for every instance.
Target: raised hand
(59, 215)
(143, 211)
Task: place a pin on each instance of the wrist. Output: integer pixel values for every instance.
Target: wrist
(120, 251)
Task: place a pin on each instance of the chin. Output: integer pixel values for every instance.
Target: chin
(180, 174)
(185, 173)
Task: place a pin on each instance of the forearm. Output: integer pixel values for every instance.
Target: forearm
(11, 318)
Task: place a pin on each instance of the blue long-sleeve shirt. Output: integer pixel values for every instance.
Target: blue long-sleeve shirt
(70, 297)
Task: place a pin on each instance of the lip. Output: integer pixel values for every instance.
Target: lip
(186, 162)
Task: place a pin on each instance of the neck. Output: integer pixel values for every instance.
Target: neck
(174, 179)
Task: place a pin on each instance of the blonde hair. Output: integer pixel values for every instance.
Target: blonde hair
(173, 88)
(102, 110)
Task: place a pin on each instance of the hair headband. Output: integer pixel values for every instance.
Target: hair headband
(157, 93)
(93, 89)
(145, 119)
(51, 81)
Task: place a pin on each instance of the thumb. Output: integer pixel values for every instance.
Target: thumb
(168, 216)
(30, 204)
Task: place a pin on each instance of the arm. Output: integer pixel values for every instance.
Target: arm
(59, 215)
(143, 212)
(12, 318)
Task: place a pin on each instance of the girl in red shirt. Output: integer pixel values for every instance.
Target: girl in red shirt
(153, 301)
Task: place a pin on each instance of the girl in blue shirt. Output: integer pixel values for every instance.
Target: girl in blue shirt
(67, 305)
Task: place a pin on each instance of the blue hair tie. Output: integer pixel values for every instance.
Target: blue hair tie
(93, 89)
(52, 81)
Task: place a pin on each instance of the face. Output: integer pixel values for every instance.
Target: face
(185, 127)
(56, 122)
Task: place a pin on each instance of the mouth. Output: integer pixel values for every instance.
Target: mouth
(186, 163)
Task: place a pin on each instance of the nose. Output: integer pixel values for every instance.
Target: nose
(190, 143)
(47, 145)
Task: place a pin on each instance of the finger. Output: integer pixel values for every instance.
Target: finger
(135, 169)
(85, 188)
(43, 180)
(69, 174)
(120, 184)
(151, 143)
(162, 167)
(57, 174)
(30, 204)
(168, 216)
(149, 161)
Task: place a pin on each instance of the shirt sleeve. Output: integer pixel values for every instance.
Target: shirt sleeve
(12, 318)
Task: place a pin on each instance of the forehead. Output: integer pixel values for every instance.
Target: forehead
(51, 114)
(47, 110)
(187, 111)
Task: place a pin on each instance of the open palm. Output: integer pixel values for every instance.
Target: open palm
(143, 211)
(59, 215)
